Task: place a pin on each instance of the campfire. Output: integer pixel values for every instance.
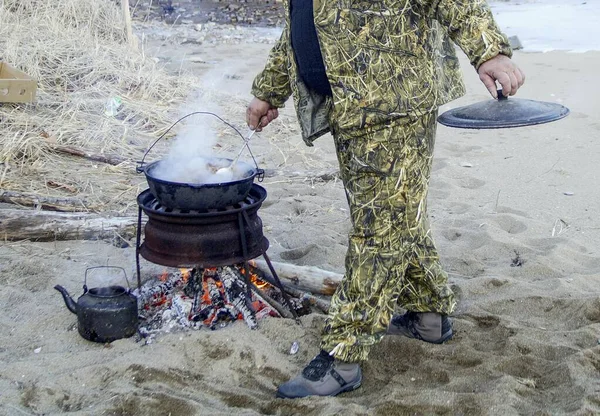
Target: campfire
(210, 298)
(221, 278)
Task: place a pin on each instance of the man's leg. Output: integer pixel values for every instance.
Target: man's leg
(386, 175)
(425, 295)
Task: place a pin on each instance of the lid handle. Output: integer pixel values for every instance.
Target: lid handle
(501, 96)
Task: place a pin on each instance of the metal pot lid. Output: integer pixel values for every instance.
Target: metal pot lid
(503, 113)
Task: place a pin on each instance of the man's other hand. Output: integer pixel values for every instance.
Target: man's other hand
(502, 69)
(260, 113)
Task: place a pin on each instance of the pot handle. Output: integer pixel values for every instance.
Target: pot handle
(85, 288)
(260, 174)
(501, 96)
(140, 167)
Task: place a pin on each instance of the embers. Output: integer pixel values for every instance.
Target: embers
(210, 242)
(207, 298)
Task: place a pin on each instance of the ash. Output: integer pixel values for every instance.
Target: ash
(202, 298)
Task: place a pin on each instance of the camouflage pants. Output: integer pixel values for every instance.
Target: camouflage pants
(391, 259)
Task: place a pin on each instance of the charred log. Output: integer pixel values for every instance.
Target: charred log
(235, 289)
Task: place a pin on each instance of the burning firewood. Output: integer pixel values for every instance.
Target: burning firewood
(182, 308)
(152, 296)
(212, 297)
(202, 297)
(235, 288)
(262, 296)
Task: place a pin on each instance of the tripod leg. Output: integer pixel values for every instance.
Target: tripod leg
(280, 286)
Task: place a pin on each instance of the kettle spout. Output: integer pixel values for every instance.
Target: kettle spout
(68, 299)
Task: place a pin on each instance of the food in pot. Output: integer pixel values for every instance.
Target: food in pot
(201, 170)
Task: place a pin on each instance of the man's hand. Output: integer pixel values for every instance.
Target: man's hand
(506, 72)
(260, 113)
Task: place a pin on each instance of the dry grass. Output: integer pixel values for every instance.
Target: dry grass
(77, 51)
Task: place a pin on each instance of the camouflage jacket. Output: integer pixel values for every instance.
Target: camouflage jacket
(384, 59)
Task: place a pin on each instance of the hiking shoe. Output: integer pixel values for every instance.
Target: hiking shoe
(425, 326)
(323, 376)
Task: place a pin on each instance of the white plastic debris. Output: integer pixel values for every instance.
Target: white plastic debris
(295, 347)
(37, 350)
(466, 165)
(112, 106)
(569, 193)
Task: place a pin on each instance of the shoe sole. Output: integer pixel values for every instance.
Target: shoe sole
(344, 389)
(441, 340)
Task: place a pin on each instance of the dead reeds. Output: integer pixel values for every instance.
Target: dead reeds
(95, 92)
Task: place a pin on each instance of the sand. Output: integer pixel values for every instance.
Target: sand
(527, 336)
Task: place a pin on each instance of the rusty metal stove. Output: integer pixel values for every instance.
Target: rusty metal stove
(209, 238)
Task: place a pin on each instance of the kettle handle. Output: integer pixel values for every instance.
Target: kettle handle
(85, 288)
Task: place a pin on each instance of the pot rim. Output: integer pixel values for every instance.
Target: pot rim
(251, 171)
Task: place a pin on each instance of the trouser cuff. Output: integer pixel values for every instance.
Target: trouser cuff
(347, 353)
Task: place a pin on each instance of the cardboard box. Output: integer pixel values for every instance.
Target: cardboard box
(16, 86)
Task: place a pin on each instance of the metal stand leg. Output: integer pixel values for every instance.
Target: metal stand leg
(241, 217)
(280, 286)
(246, 272)
(137, 247)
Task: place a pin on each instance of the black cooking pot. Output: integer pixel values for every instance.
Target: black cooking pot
(202, 197)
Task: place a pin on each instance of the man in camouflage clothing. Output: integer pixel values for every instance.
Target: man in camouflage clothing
(373, 73)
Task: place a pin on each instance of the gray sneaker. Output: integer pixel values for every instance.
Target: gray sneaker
(323, 376)
(425, 326)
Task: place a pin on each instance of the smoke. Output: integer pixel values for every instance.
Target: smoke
(191, 158)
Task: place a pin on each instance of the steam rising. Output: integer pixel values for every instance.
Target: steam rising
(191, 158)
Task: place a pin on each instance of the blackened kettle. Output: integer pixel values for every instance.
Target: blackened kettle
(104, 314)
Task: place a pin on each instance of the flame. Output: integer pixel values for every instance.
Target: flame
(254, 277)
(185, 274)
(258, 282)
(164, 276)
(205, 294)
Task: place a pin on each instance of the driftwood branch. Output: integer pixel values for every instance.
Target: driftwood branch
(97, 157)
(18, 224)
(64, 204)
(304, 278)
(321, 304)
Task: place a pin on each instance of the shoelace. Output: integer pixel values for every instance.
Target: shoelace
(406, 320)
(318, 367)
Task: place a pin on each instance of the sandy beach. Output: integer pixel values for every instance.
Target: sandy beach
(514, 216)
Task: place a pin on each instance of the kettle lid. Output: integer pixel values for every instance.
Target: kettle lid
(503, 113)
(108, 292)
